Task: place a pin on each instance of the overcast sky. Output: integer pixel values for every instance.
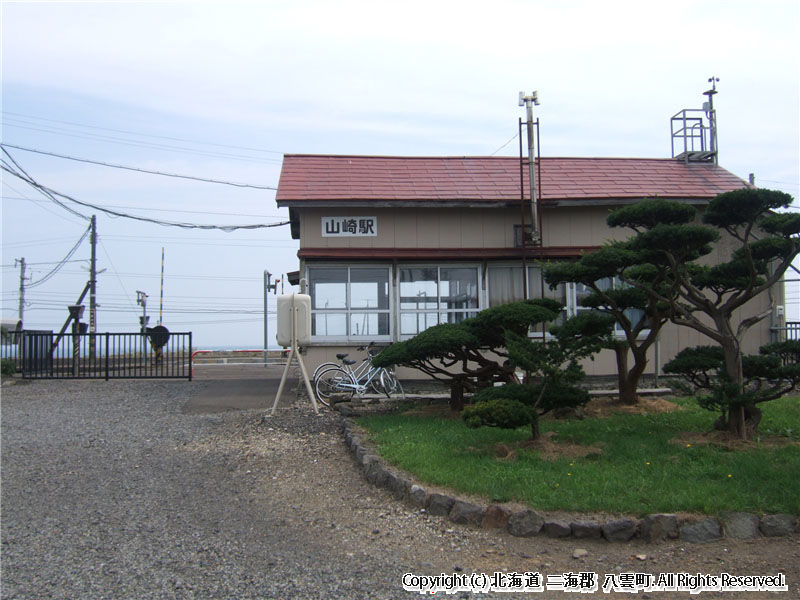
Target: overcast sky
(221, 90)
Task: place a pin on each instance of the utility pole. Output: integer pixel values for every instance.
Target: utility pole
(93, 288)
(141, 300)
(21, 262)
(93, 279)
(161, 304)
(529, 102)
(268, 287)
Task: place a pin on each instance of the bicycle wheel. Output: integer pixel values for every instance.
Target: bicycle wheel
(321, 368)
(333, 381)
(391, 385)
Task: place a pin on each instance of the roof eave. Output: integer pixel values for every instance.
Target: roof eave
(547, 202)
(395, 203)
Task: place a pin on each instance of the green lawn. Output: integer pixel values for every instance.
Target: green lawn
(640, 470)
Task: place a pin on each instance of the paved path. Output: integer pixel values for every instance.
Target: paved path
(237, 387)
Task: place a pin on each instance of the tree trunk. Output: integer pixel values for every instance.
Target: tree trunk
(628, 392)
(743, 420)
(457, 396)
(737, 414)
(535, 435)
(627, 382)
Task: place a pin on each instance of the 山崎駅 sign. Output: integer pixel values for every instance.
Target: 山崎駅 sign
(349, 226)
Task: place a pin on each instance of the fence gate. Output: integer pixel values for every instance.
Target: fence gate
(41, 355)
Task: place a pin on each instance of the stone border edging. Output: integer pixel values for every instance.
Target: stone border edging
(527, 523)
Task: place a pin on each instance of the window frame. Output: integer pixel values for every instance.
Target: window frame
(439, 310)
(572, 296)
(348, 311)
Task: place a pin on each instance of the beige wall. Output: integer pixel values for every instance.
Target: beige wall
(493, 228)
(410, 227)
(416, 227)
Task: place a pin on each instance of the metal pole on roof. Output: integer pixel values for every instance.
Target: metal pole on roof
(712, 118)
(529, 102)
(522, 234)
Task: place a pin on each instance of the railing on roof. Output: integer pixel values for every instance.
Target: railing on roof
(692, 136)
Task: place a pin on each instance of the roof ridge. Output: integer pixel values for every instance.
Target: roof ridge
(476, 157)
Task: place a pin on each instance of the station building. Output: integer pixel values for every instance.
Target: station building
(391, 245)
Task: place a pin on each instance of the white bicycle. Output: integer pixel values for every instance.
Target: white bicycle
(333, 379)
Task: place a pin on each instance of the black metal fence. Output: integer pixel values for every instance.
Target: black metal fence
(42, 355)
(792, 330)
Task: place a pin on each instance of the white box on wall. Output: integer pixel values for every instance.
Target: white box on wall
(286, 304)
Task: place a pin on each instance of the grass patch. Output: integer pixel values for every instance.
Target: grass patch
(666, 462)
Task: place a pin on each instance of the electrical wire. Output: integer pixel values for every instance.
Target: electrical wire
(60, 265)
(27, 178)
(50, 193)
(152, 209)
(41, 203)
(138, 169)
(116, 274)
(506, 144)
(138, 144)
(163, 137)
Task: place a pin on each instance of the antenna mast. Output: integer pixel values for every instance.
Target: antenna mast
(529, 102)
(711, 114)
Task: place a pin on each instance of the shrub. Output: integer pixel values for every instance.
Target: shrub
(7, 367)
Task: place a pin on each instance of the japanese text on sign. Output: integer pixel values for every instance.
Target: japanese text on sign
(349, 226)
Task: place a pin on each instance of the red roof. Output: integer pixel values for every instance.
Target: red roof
(338, 179)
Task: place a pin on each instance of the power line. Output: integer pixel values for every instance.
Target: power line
(27, 178)
(168, 210)
(138, 169)
(50, 193)
(58, 214)
(506, 144)
(139, 144)
(60, 265)
(163, 137)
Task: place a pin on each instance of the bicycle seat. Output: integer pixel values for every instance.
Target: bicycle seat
(341, 356)
(347, 361)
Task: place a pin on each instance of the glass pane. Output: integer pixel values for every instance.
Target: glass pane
(505, 285)
(369, 288)
(413, 323)
(418, 289)
(538, 288)
(328, 288)
(581, 292)
(329, 324)
(607, 283)
(456, 317)
(459, 288)
(634, 316)
(369, 324)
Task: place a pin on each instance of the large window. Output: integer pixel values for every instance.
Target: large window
(355, 304)
(580, 291)
(349, 303)
(433, 295)
(506, 285)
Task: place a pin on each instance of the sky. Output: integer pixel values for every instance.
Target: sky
(221, 90)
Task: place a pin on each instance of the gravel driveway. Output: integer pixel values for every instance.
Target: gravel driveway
(111, 490)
